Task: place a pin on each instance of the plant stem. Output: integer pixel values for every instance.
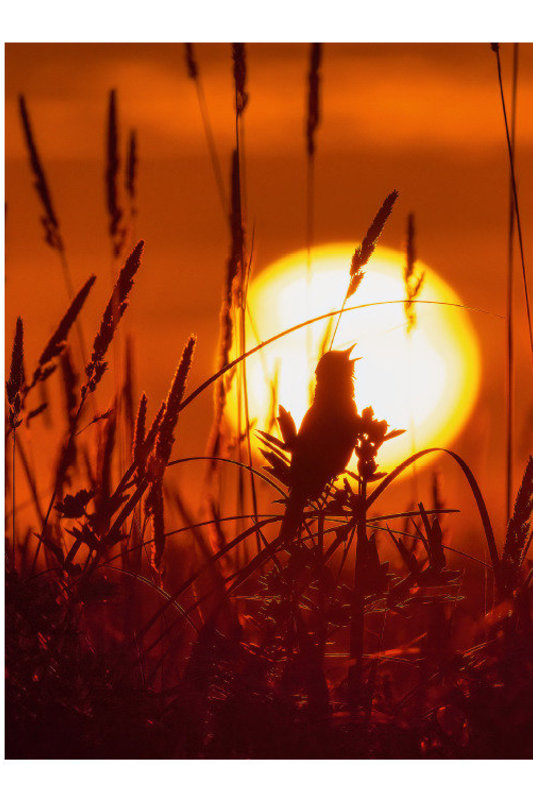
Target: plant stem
(13, 490)
(215, 163)
(515, 200)
(357, 623)
(59, 480)
(309, 237)
(510, 343)
(231, 364)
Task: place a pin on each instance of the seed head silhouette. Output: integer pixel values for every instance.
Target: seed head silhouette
(325, 441)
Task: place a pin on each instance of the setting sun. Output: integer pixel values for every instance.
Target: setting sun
(430, 375)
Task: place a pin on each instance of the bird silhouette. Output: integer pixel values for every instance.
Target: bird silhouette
(323, 445)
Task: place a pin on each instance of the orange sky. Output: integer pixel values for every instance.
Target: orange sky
(424, 119)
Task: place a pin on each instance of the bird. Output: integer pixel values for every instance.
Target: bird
(323, 445)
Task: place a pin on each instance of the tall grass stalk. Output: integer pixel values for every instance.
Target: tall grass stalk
(510, 282)
(357, 617)
(96, 367)
(238, 217)
(496, 49)
(336, 312)
(193, 71)
(116, 225)
(413, 280)
(312, 122)
(49, 219)
(364, 252)
(14, 387)
(241, 102)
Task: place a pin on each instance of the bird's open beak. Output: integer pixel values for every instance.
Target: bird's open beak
(348, 351)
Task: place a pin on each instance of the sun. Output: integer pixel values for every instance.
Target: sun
(425, 381)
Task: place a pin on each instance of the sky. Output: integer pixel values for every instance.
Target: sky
(422, 118)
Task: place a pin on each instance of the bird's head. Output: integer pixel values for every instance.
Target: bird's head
(335, 367)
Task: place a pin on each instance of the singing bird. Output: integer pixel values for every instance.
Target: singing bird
(325, 441)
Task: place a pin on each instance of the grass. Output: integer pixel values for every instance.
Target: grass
(138, 626)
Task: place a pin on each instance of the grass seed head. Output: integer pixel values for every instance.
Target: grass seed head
(190, 61)
(16, 380)
(239, 77)
(140, 429)
(363, 253)
(56, 344)
(165, 438)
(116, 228)
(520, 522)
(130, 175)
(313, 97)
(413, 279)
(112, 316)
(49, 219)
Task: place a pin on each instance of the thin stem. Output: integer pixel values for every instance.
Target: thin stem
(30, 480)
(230, 461)
(309, 238)
(215, 163)
(237, 321)
(13, 490)
(510, 343)
(58, 481)
(357, 622)
(515, 199)
(70, 291)
(230, 365)
(246, 405)
(245, 276)
(476, 491)
(343, 308)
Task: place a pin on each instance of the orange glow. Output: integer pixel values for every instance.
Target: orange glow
(431, 375)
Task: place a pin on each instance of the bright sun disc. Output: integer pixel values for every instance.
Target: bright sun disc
(425, 381)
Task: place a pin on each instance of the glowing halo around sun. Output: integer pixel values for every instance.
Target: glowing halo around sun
(425, 381)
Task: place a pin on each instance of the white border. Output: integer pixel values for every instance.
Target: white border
(267, 20)
(266, 780)
(284, 21)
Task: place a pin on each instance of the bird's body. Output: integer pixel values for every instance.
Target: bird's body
(325, 441)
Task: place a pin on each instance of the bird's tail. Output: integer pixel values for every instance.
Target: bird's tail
(293, 515)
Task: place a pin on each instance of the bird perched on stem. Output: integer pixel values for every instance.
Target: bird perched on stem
(322, 447)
